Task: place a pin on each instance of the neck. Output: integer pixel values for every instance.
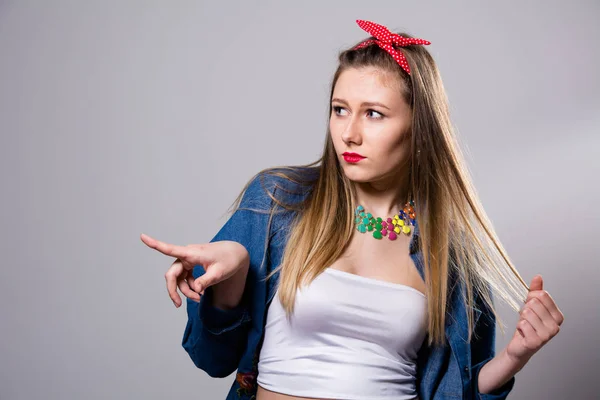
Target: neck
(381, 201)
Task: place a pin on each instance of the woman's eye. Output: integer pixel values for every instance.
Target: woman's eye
(336, 109)
(376, 112)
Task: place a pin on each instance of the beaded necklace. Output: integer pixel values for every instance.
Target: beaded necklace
(391, 227)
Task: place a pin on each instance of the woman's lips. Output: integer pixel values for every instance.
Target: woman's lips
(352, 157)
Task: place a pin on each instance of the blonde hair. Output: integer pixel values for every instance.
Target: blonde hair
(455, 234)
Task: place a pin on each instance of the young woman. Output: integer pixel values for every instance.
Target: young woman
(369, 274)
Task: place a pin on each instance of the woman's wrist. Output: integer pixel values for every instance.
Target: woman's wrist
(227, 294)
(499, 370)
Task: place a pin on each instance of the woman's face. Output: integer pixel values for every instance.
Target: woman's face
(369, 117)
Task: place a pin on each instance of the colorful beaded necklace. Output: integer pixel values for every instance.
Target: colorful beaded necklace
(391, 227)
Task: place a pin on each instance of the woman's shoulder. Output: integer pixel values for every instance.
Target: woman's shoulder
(289, 185)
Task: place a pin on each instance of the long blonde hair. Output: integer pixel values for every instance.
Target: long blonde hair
(455, 234)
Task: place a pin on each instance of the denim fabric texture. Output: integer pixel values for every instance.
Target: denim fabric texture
(221, 342)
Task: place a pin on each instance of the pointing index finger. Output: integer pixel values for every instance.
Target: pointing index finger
(165, 248)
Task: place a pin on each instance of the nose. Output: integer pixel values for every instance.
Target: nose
(352, 131)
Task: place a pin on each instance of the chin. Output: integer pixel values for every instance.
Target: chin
(354, 174)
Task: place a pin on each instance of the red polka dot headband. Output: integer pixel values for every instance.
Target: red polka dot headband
(385, 39)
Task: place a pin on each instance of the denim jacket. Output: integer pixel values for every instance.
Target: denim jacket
(223, 341)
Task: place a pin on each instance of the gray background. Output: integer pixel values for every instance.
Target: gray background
(119, 118)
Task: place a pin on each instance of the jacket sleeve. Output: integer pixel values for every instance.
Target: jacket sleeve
(483, 350)
(215, 339)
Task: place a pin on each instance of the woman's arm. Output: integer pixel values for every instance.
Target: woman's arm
(497, 372)
(483, 352)
(228, 293)
(540, 321)
(217, 328)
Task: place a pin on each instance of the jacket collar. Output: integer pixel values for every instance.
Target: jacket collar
(414, 241)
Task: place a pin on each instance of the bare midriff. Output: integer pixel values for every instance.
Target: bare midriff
(264, 394)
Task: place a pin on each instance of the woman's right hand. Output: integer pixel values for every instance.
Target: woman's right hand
(221, 260)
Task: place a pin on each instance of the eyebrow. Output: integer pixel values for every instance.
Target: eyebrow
(364, 104)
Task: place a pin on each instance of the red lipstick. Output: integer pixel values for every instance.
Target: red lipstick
(352, 157)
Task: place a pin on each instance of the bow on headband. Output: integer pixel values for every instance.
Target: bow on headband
(385, 39)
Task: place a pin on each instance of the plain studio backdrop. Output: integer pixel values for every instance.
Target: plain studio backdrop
(125, 117)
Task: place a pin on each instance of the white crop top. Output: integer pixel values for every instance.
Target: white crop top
(350, 337)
